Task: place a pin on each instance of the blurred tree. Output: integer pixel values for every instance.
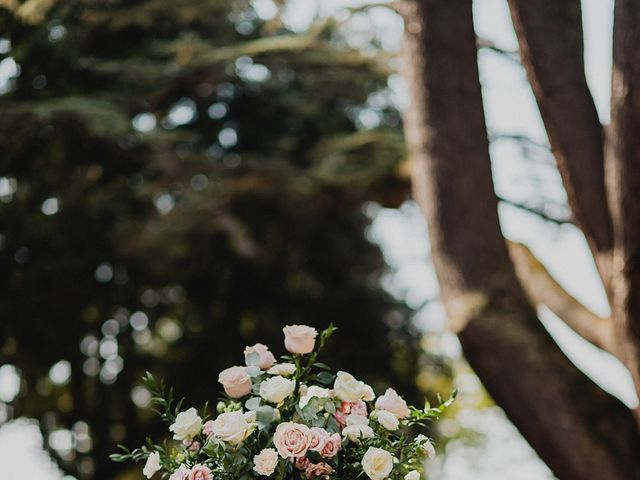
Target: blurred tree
(578, 429)
(179, 179)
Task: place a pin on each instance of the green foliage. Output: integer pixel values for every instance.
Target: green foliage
(204, 179)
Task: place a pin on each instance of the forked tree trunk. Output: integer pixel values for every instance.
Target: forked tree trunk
(578, 429)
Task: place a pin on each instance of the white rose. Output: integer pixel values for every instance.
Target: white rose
(367, 393)
(357, 431)
(250, 416)
(313, 391)
(282, 369)
(412, 475)
(276, 389)
(265, 462)
(232, 427)
(387, 419)
(152, 466)
(187, 425)
(357, 420)
(349, 389)
(377, 463)
(427, 446)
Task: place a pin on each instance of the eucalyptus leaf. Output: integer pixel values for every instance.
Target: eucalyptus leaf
(253, 403)
(252, 359)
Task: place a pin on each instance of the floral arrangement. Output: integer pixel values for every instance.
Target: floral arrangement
(289, 420)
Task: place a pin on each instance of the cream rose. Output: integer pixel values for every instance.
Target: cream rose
(412, 475)
(377, 463)
(265, 462)
(292, 439)
(232, 427)
(266, 357)
(394, 403)
(349, 389)
(357, 431)
(235, 381)
(313, 391)
(282, 369)
(299, 338)
(276, 389)
(152, 466)
(387, 419)
(187, 425)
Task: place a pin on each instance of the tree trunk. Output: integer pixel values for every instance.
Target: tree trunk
(579, 430)
(623, 180)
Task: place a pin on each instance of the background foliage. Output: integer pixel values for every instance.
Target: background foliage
(180, 179)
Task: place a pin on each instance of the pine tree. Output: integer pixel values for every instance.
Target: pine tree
(181, 179)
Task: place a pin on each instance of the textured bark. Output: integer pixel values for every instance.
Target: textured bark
(623, 179)
(543, 289)
(579, 430)
(550, 37)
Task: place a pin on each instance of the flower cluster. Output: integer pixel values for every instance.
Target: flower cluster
(289, 420)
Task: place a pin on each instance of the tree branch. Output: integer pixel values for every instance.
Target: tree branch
(536, 211)
(623, 179)
(579, 430)
(542, 289)
(550, 37)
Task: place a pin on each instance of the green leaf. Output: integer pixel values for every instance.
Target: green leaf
(252, 359)
(325, 378)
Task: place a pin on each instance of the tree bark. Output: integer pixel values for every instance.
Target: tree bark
(623, 180)
(543, 289)
(579, 430)
(551, 47)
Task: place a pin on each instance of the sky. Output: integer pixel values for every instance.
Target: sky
(402, 234)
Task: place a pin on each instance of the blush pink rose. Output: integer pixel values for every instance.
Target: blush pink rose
(315, 470)
(292, 439)
(266, 357)
(207, 428)
(235, 381)
(180, 474)
(331, 446)
(302, 463)
(191, 445)
(200, 472)
(394, 403)
(350, 408)
(318, 438)
(299, 338)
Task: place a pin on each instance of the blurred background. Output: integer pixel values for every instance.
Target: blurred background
(180, 179)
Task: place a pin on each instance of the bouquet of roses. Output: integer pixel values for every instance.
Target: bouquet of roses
(289, 420)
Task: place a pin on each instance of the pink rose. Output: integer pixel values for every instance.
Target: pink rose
(350, 408)
(299, 338)
(207, 428)
(315, 470)
(266, 357)
(180, 474)
(394, 403)
(191, 445)
(200, 472)
(236, 381)
(302, 463)
(331, 446)
(292, 439)
(318, 438)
